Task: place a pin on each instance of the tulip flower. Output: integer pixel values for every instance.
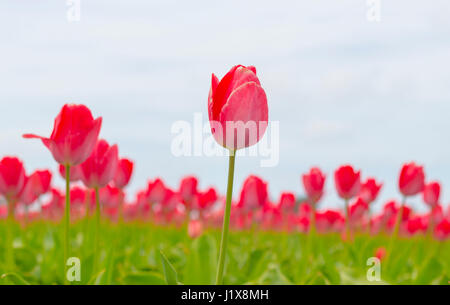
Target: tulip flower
(123, 173)
(370, 190)
(314, 183)
(12, 182)
(238, 115)
(348, 185)
(73, 139)
(411, 182)
(37, 184)
(254, 193)
(188, 189)
(431, 196)
(122, 179)
(96, 172)
(431, 193)
(412, 179)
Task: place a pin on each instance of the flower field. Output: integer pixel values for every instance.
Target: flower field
(96, 232)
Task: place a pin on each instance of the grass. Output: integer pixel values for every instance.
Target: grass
(141, 253)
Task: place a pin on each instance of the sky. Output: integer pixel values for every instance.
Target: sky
(343, 89)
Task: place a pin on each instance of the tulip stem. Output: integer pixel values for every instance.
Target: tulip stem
(9, 235)
(67, 222)
(97, 229)
(226, 219)
(395, 233)
(347, 220)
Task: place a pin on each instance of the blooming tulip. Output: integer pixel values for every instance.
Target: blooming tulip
(314, 183)
(123, 173)
(370, 190)
(254, 193)
(37, 184)
(431, 193)
(238, 115)
(74, 135)
(99, 169)
(12, 178)
(412, 179)
(188, 189)
(348, 183)
(237, 108)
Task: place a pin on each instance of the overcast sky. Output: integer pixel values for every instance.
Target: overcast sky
(344, 90)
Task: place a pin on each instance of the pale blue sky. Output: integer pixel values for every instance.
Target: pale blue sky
(343, 89)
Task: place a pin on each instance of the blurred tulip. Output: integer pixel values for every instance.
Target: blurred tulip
(431, 193)
(254, 193)
(188, 189)
(442, 230)
(54, 208)
(348, 183)
(74, 135)
(99, 169)
(123, 173)
(37, 184)
(78, 203)
(370, 190)
(287, 202)
(238, 97)
(12, 178)
(156, 191)
(207, 198)
(314, 183)
(412, 179)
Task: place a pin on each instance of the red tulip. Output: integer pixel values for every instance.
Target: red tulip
(99, 169)
(74, 135)
(37, 184)
(370, 190)
(431, 193)
(358, 209)
(12, 178)
(287, 201)
(78, 207)
(156, 191)
(207, 199)
(314, 182)
(75, 173)
(238, 97)
(188, 188)
(253, 194)
(412, 179)
(348, 183)
(123, 173)
(3, 211)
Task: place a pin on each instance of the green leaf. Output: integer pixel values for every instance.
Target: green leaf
(272, 276)
(143, 278)
(169, 272)
(201, 262)
(15, 278)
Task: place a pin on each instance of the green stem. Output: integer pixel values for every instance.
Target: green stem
(67, 223)
(9, 235)
(97, 229)
(226, 219)
(394, 236)
(347, 221)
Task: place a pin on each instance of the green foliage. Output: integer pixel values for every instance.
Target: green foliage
(144, 254)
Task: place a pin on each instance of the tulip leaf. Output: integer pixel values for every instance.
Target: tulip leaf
(170, 274)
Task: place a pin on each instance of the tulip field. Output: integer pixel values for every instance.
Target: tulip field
(96, 232)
